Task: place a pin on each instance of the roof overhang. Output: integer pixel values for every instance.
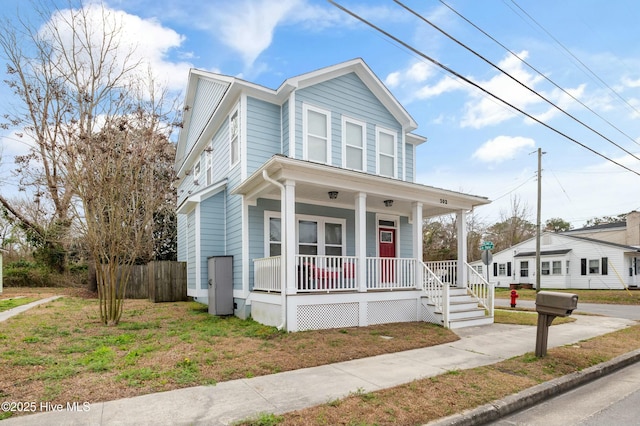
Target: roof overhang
(193, 200)
(313, 181)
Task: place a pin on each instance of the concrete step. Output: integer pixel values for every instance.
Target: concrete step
(469, 313)
(470, 322)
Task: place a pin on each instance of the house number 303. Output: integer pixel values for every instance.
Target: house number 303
(443, 201)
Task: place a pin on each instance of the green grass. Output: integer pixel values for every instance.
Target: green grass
(506, 316)
(620, 297)
(7, 304)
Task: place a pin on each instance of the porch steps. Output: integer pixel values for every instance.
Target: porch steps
(464, 310)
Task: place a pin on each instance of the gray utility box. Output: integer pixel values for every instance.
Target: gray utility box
(220, 285)
(556, 303)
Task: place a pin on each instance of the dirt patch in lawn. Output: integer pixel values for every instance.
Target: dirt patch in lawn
(60, 352)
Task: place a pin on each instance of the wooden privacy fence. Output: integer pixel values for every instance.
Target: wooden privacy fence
(159, 281)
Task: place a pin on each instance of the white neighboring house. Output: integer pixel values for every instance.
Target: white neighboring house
(566, 261)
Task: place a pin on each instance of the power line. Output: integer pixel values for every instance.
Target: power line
(544, 98)
(576, 58)
(539, 72)
(477, 86)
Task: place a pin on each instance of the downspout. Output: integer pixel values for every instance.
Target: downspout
(283, 257)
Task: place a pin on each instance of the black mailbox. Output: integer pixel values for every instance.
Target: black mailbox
(556, 303)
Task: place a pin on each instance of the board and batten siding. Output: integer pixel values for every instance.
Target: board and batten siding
(208, 95)
(263, 133)
(348, 95)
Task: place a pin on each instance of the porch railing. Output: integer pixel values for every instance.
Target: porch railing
(336, 273)
(445, 270)
(481, 289)
(326, 273)
(391, 273)
(436, 291)
(266, 274)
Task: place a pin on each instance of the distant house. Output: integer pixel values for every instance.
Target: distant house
(568, 260)
(303, 201)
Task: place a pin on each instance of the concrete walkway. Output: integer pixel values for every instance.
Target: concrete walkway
(5, 315)
(231, 401)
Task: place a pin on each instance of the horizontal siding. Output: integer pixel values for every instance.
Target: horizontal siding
(191, 250)
(212, 232)
(263, 132)
(348, 95)
(574, 279)
(285, 128)
(409, 154)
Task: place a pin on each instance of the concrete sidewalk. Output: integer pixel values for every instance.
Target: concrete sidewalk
(5, 315)
(231, 401)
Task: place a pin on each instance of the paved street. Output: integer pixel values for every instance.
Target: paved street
(611, 400)
(619, 311)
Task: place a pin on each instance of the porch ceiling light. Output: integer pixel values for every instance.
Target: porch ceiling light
(333, 195)
(388, 203)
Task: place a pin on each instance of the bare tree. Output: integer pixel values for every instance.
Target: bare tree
(513, 228)
(122, 175)
(440, 237)
(65, 76)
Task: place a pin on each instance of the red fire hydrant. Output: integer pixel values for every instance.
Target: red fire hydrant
(514, 296)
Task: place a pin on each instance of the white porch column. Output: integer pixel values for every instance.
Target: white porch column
(417, 241)
(461, 221)
(289, 230)
(361, 239)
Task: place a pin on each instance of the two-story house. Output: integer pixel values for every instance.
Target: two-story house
(307, 196)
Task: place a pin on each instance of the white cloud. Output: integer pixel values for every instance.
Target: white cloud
(502, 148)
(246, 26)
(149, 41)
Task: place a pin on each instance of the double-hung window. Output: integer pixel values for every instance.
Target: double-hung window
(317, 139)
(386, 147)
(556, 267)
(353, 135)
(524, 268)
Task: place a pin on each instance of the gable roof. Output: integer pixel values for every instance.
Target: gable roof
(210, 96)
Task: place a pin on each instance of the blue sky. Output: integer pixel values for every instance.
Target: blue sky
(476, 145)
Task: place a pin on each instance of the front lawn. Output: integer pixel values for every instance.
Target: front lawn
(60, 352)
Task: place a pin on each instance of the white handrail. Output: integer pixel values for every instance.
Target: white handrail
(437, 292)
(481, 289)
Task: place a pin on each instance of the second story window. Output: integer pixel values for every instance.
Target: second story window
(353, 135)
(317, 141)
(386, 146)
(234, 135)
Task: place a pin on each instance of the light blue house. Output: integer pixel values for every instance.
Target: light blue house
(308, 191)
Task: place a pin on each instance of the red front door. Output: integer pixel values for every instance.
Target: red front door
(387, 243)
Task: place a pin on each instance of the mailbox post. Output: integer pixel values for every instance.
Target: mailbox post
(549, 305)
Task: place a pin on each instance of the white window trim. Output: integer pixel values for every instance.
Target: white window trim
(320, 220)
(235, 111)
(393, 134)
(305, 125)
(346, 120)
(268, 215)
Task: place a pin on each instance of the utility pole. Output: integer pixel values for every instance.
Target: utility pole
(538, 220)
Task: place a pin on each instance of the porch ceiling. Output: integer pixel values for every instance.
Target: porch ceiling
(313, 181)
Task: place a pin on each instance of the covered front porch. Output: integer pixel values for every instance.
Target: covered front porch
(344, 248)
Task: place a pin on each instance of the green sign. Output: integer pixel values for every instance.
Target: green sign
(487, 245)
